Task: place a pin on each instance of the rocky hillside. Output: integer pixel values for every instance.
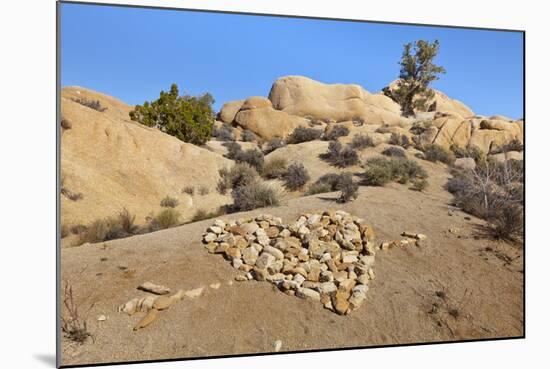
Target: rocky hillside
(109, 163)
(298, 101)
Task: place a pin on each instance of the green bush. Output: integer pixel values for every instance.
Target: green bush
(241, 174)
(361, 142)
(254, 195)
(436, 153)
(189, 118)
(383, 170)
(169, 202)
(304, 134)
(336, 132)
(274, 168)
(296, 177)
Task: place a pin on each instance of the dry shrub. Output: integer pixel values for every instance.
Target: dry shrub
(296, 176)
(400, 140)
(203, 190)
(361, 141)
(92, 104)
(495, 192)
(248, 136)
(275, 168)
(253, 196)
(167, 218)
(190, 190)
(348, 188)
(241, 174)
(274, 144)
(73, 196)
(473, 152)
(120, 226)
(224, 133)
(435, 153)
(252, 156)
(514, 145)
(66, 124)
(65, 230)
(394, 152)
(202, 214)
(72, 324)
(169, 202)
(304, 134)
(383, 170)
(419, 184)
(336, 132)
(340, 156)
(333, 182)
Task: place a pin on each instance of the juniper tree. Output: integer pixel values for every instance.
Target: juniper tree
(416, 73)
(189, 118)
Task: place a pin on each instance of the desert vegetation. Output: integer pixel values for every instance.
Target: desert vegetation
(73, 325)
(437, 153)
(274, 144)
(492, 191)
(394, 152)
(336, 132)
(255, 195)
(169, 202)
(275, 168)
(92, 104)
(382, 170)
(224, 133)
(417, 72)
(304, 134)
(296, 177)
(341, 156)
(189, 118)
(361, 142)
(400, 140)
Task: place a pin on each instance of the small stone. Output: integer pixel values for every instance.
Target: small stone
(327, 287)
(272, 232)
(277, 345)
(314, 274)
(332, 266)
(237, 263)
(307, 293)
(326, 276)
(284, 233)
(222, 248)
(326, 257)
(371, 273)
(363, 279)
(163, 302)
(209, 237)
(385, 246)
(420, 236)
(250, 255)
(349, 258)
(215, 229)
(154, 288)
(260, 274)
(101, 318)
(194, 293)
(300, 270)
(340, 275)
(340, 303)
(215, 286)
(265, 260)
(250, 228)
(240, 278)
(346, 285)
(211, 247)
(219, 223)
(147, 319)
(278, 254)
(298, 278)
(408, 234)
(421, 243)
(249, 276)
(233, 253)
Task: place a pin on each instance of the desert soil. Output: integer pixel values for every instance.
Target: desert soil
(481, 279)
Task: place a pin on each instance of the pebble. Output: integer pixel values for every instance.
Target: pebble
(277, 345)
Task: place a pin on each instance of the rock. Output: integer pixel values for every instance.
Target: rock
(195, 292)
(178, 296)
(327, 288)
(299, 279)
(154, 288)
(237, 263)
(265, 260)
(278, 254)
(385, 246)
(371, 273)
(260, 274)
(340, 303)
(250, 255)
(229, 110)
(346, 285)
(211, 247)
(233, 253)
(250, 228)
(147, 319)
(363, 279)
(238, 230)
(420, 236)
(101, 318)
(272, 232)
(215, 229)
(277, 345)
(209, 237)
(314, 274)
(240, 278)
(326, 276)
(222, 248)
(349, 258)
(215, 286)
(268, 123)
(307, 293)
(163, 302)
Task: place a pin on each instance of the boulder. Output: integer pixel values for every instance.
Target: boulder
(465, 163)
(302, 96)
(229, 110)
(268, 123)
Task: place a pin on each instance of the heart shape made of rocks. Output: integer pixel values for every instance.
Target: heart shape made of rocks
(326, 256)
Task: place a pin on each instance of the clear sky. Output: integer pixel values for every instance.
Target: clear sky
(133, 53)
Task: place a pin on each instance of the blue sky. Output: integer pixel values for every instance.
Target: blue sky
(133, 53)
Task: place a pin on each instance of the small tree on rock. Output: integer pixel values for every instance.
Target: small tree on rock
(189, 118)
(416, 73)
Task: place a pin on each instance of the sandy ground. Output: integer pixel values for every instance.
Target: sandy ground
(482, 281)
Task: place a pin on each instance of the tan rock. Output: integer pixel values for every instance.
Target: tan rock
(149, 318)
(229, 110)
(154, 288)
